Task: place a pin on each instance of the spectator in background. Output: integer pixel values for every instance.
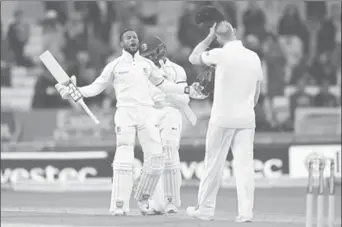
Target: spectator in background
(189, 33)
(265, 119)
(53, 33)
(135, 23)
(330, 31)
(100, 16)
(301, 70)
(291, 24)
(293, 38)
(336, 18)
(275, 60)
(75, 36)
(300, 98)
(253, 43)
(60, 7)
(45, 94)
(6, 61)
(148, 12)
(323, 68)
(87, 75)
(18, 36)
(324, 98)
(254, 21)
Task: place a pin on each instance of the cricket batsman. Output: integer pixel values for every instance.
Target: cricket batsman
(238, 75)
(130, 75)
(166, 198)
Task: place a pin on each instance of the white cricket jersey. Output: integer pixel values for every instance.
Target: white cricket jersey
(130, 78)
(174, 73)
(238, 70)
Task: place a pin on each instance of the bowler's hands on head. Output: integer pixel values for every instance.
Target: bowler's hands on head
(212, 31)
(64, 90)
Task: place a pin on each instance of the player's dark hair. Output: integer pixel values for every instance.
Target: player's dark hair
(124, 31)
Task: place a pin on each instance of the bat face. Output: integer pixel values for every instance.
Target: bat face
(62, 77)
(54, 67)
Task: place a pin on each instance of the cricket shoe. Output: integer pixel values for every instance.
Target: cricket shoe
(145, 208)
(118, 212)
(171, 209)
(156, 209)
(241, 219)
(195, 212)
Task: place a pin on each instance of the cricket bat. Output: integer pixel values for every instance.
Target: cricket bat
(190, 115)
(187, 111)
(62, 77)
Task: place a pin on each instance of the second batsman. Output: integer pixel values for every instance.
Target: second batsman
(166, 198)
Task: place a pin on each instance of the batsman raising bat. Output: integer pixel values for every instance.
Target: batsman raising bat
(129, 74)
(166, 198)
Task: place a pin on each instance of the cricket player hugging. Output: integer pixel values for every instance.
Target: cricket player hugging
(166, 198)
(129, 74)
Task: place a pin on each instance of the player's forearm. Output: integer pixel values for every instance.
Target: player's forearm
(171, 88)
(158, 80)
(92, 89)
(195, 56)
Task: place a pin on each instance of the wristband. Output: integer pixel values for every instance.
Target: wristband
(187, 90)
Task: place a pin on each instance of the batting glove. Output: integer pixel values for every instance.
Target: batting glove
(64, 90)
(195, 91)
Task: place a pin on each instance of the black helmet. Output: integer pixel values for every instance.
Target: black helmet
(208, 15)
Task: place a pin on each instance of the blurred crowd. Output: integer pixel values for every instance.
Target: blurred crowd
(298, 51)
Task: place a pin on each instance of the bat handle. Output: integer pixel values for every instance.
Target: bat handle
(88, 111)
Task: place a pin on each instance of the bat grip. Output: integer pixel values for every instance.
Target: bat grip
(88, 111)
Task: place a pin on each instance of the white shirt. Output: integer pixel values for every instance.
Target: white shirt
(130, 78)
(237, 72)
(174, 73)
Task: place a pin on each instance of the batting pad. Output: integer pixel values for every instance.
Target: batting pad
(122, 186)
(172, 176)
(152, 170)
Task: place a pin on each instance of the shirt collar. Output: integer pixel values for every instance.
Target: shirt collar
(128, 56)
(167, 61)
(233, 43)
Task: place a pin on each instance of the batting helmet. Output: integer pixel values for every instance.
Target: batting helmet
(208, 15)
(153, 48)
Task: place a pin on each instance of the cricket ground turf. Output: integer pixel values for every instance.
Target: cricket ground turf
(274, 207)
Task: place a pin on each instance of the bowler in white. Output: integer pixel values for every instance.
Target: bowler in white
(232, 122)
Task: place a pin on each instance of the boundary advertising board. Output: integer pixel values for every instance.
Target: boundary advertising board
(82, 163)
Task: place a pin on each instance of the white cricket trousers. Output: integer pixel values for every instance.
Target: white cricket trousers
(218, 142)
